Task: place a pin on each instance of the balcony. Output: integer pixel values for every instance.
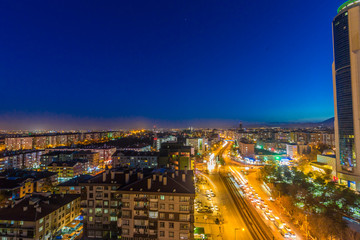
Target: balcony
(141, 207)
(137, 227)
(153, 225)
(141, 235)
(141, 199)
(141, 217)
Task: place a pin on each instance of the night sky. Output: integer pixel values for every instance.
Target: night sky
(166, 61)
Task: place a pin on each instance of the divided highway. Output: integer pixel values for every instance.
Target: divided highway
(254, 223)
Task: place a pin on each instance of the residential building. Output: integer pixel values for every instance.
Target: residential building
(292, 150)
(72, 186)
(55, 156)
(160, 140)
(176, 155)
(246, 148)
(68, 169)
(135, 159)
(38, 216)
(199, 144)
(92, 157)
(133, 204)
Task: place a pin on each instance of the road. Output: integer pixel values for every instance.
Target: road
(260, 189)
(237, 221)
(232, 222)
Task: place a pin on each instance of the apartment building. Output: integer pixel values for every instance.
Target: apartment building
(140, 204)
(15, 184)
(68, 169)
(246, 148)
(38, 216)
(135, 159)
(22, 159)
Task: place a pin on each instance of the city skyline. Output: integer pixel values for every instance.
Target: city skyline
(154, 62)
(180, 120)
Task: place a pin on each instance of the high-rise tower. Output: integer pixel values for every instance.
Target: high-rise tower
(346, 81)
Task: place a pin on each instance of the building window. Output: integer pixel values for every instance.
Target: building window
(171, 234)
(153, 214)
(162, 215)
(171, 198)
(162, 224)
(126, 214)
(184, 217)
(125, 231)
(162, 197)
(171, 216)
(184, 207)
(153, 205)
(162, 206)
(171, 206)
(171, 225)
(162, 234)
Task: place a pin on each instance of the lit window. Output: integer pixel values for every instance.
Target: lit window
(153, 214)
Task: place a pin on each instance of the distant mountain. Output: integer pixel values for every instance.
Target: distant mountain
(329, 122)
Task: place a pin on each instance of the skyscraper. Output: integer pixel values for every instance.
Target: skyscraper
(346, 81)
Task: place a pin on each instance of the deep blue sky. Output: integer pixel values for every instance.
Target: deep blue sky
(167, 60)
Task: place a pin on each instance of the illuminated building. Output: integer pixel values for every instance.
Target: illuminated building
(198, 144)
(327, 162)
(68, 169)
(160, 140)
(176, 155)
(292, 150)
(346, 74)
(135, 159)
(38, 216)
(140, 204)
(246, 148)
(15, 184)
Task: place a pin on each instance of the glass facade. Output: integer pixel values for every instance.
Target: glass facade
(344, 92)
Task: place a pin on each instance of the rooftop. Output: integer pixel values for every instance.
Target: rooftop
(75, 181)
(347, 4)
(134, 153)
(147, 180)
(36, 207)
(176, 182)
